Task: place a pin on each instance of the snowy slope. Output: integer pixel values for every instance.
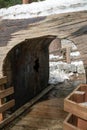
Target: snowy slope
(43, 8)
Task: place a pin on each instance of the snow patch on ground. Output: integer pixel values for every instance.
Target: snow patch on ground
(67, 43)
(61, 71)
(52, 57)
(43, 8)
(77, 53)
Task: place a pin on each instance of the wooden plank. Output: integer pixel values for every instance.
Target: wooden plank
(6, 92)
(46, 109)
(48, 115)
(69, 126)
(78, 96)
(82, 124)
(3, 80)
(68, 50)
(24, 107)
(84, 88)
(50, 104)
(38, 123)
(75, 109)
(7, 105)
(25, 128)
(54, 102)
(74, 106)
(1, 102)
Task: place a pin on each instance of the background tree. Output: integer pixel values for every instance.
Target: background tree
(7, 3)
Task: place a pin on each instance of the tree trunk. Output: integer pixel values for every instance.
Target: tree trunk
(25, 1)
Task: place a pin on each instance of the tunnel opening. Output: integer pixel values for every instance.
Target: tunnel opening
(62, 71)
(27, 69)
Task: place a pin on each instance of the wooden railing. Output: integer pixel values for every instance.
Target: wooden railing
(5, 92)
(76, 105)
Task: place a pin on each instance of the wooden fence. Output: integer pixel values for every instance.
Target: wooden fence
(4, 93)
(76, 105)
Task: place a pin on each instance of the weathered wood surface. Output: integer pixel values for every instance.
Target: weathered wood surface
(44, 115)
(3, 80)
(71, 26)
(73, 103)
(6, 92)
(7, 105)
(21, 109)
(70, 123)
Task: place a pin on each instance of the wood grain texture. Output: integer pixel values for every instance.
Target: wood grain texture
(6, 92)
(73, 102)
(72, 26)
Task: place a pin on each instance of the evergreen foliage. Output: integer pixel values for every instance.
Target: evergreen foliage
(7, 3)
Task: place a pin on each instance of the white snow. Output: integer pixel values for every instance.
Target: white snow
(51, 57)
(43, 8)
(77, 53)
(57, 77)
(77, 63)
(84, 104)
(60, 71)
(79, 92)
(57, 73)
(67, 43)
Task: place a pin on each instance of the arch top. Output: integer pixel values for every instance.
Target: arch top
(43, 41)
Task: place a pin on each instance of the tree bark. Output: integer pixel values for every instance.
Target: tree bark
(25, 1)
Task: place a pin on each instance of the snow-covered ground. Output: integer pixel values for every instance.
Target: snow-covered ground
(43, 8)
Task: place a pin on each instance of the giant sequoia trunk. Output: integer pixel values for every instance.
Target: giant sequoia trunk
(27, 68)
(26, 1)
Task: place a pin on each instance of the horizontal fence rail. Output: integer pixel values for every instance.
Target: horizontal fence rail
(4, 93)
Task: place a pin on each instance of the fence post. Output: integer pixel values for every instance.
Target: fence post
(68, 50)
(5, 92)
(2, 81)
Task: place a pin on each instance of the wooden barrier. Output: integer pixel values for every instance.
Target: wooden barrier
(76, 104)
(4, 92)
(23, 108)
(68, 59)
(72, 122)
